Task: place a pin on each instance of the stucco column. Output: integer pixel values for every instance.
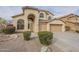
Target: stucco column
(48, 27)
(15, 23)
(36, 24)
(26, 24)
(63, 28)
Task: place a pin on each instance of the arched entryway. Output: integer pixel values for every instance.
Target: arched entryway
(31, 18)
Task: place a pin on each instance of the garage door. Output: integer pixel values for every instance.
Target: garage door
(43, 27)
(56, 27)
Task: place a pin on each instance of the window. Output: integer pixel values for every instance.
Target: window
(49, 18)
(41, 15)
(20, 24)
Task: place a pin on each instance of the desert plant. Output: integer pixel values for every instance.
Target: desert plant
(9, 30)
(27, 35)
(45, 37)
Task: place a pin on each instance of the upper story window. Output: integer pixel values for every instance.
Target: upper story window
(49, 18)
(41, 15)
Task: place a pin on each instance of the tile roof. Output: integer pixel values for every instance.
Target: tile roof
(29, 7)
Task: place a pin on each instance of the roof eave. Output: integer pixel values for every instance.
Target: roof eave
(17, 15)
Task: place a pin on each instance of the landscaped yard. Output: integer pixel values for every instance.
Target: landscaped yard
(16, 43)
(63, 42)
(26, 41)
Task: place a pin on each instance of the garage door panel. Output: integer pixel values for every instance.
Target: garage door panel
(56, 27)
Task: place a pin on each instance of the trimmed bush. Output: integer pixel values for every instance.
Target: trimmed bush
(9, 30)
(45, 37)
(27, 35)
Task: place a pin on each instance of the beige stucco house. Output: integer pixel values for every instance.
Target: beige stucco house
(71, 22)
(33, 19)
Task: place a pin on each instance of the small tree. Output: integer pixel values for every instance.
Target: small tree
(3, 21)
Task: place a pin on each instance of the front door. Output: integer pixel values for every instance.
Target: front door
(30, 25)
(31, 18)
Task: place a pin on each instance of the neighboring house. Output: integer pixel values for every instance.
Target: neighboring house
(71, 22)
(33, 19)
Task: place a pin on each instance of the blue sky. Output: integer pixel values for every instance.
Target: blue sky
(8, 11)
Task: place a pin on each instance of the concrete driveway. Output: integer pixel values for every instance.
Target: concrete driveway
(66, 41)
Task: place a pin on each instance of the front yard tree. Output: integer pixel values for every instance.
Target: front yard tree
(3, 21)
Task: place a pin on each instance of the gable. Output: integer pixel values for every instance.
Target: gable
(31, 9)
(18, 15)
(69, 18)
(56, 22)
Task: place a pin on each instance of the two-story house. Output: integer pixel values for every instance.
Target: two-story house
(34, 19)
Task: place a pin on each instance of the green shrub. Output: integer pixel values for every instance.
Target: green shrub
(45, 37)
(9, 30)
(27, 35)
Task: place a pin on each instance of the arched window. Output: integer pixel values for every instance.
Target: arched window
(20, 24)
(49, 18)
(41, 15)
